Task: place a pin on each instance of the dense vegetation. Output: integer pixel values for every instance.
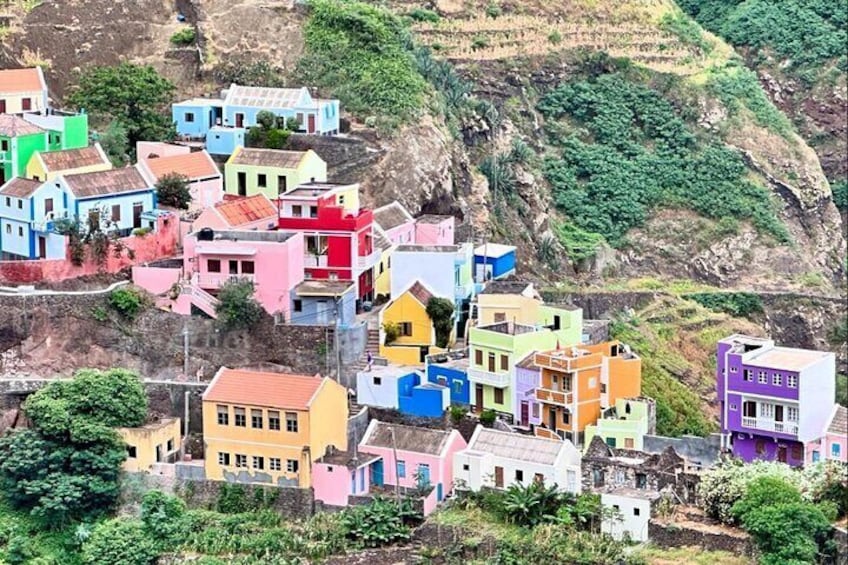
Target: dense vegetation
(237, 309)
(66, 466)
(805, 32)
(625, 151)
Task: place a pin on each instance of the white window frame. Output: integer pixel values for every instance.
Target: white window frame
(762, 377)
(274, 464)
(766, 410)
(792, 413)
(777, 379)
(792, 381)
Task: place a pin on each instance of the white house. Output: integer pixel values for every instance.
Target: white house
(379, 386)
(500, 459)
(628, 513)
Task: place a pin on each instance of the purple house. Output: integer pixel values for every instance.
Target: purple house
(527, 380)
(773, 399)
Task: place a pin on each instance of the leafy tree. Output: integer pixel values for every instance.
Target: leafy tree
(532, 504)
(115, 143)
(440, 311)
(580, 245)
(765, 491)
(172, 190)
(788, 532)
(120, 540)
(237, 308)
(163, 516)
(135, 96)
(127, 301)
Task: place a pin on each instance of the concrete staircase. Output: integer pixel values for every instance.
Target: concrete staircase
(372, 345)
(204, 301)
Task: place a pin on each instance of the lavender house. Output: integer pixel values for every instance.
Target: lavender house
(527, 380)
(773, 399)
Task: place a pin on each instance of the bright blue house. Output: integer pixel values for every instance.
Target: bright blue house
(223, 141)
(319, 302)
(452, 374)
(116, 199)
(401, 388)
(239, 106)
(493, 261)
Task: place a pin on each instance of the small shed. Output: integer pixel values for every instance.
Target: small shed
(631, 510)
(222, 140)
(493, 261)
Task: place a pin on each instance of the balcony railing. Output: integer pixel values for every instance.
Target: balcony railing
(566, 362)
(217, 281)
(497, 380)
(790, 428)
(367, 261)
(462, 291)
(314, 260)
(557, 397)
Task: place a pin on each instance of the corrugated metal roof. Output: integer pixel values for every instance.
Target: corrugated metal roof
(517, 446)
(114, 181)
(69, 159)
(839, 423)
(261, 97)
(391, 216)
(408, 438)
(269, 158)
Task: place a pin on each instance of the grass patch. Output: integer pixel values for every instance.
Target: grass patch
(690, 556)
(481, 522)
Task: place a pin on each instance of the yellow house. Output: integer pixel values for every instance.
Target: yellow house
(508, 301)
(272, 172)
(407, 314)
(156, 442)
(22, 90)
(382, 276)
(47, 165)
(268, 428)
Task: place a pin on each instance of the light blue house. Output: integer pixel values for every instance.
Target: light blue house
(195, 117)
(115, 199)
(401, 388)
(324, 302)
(239, 106)
(493, 261)
(450, 373)
(223, 141)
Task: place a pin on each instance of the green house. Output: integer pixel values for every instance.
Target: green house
(494, 349)
(624, 425)
(22, 136)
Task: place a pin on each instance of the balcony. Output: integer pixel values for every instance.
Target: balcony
(368, 261)
(314, 260)
(218, 280)
(763, 424)
(566, 361)
(44, 226)
(462, 291)
(497, 380)
(558, 397)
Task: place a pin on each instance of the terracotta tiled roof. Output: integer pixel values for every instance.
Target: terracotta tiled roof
(69, 159)
(420, 292)
(19, 187)
(195, 165)
(391, 216)
(114, 181)
(407, 438)
(257, 388)
(839, 422)
(13, 126)
(268, 158)
(246, 210)
(21, 80)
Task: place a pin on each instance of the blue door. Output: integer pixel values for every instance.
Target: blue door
(377, 473)
(423, 475)
(439, 493)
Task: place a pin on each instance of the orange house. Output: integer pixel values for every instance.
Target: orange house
(578, 382)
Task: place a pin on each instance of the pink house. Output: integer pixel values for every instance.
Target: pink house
(424, 459)
(833, 445)
(431, 229)
(272, 260)
(251, 213)
(396, 223)
(341, 474)
(206, 183)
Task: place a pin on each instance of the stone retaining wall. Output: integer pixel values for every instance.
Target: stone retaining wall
(673, 536)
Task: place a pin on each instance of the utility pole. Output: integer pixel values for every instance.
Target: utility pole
(185, 349)
(186, 413)
(338, 353)
(397, 473)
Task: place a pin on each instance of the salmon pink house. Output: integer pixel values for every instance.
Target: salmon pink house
(338, 234)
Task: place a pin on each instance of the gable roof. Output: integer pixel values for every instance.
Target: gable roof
(262, 97)
(391, 216)
(420, 292)
(406, 438)
(113, 181)
(69, 159)
(432, 219)
(517, 447)
(260, 388)
(19, 187)
(246, 210)
(13, 126)
(267, 157)
(194, 165)
(381, 240)
(529, 362)
(22, 80)
(839, 421)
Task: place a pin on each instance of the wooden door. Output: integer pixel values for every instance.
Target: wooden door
(42, 247)
(137, 209)
(239, 120)
(781, 454)
(478, 400)
(311, 128)
(525, 412)
(242, 184)
(552, 419)
(499, 483)
(2, 106)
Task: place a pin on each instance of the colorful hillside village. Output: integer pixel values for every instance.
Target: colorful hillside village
(436, 326)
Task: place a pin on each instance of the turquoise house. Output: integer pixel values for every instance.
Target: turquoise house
(195, 117)
(223, 141)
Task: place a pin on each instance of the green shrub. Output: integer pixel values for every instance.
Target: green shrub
(488, 417)
(530, 505)
(499, 173)
(392, 331)
(232, 499)
(172, 190)
(493, 10)
(141, 232)
(424, 15)
(440, 312)
(128, 302)
(457, 414)
(737, 87)
(382, 522)
(555, 37)
(237, 309)
(479, 41)
(687, 31)
(163, 517)
(120, 540)
(840, 194)
(185, 36)
(737, 304)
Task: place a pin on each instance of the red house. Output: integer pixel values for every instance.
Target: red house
(338, 234)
